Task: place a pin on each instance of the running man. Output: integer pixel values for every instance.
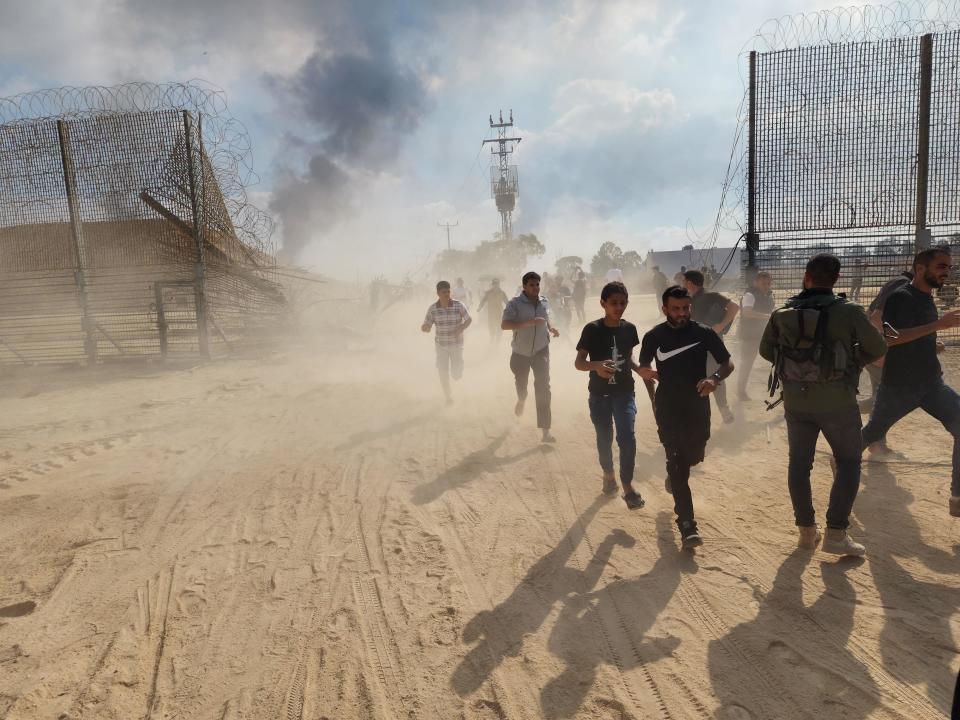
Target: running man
(682, 405)
(528, 316)
(818, 343)
(451, 319)
(756, 306)
(609, 343)
(912, 376)
(494, 299)
(716, 311)
(461, 294)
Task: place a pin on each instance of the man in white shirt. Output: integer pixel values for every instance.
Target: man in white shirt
(461, 294)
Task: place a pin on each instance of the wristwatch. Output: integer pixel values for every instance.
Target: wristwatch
(717, 378)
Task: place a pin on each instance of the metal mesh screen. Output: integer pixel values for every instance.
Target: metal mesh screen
(836, 129)
(836, 136)
(122, 277)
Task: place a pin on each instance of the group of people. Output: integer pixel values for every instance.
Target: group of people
(817, 343)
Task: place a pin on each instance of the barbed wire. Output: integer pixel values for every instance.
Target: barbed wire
(860, 24)
(225, 139)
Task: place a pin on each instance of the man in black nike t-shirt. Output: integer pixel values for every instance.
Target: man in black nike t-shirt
(682, 405)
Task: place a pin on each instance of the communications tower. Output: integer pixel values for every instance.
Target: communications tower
(504, 185)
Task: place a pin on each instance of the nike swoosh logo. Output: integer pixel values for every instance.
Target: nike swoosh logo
(661, 356)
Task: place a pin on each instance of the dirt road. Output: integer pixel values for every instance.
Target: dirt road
(315, 535)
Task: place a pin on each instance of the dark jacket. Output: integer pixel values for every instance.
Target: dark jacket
(847, 323)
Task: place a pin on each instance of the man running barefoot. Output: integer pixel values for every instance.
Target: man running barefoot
(451, 319)
(912, 376)
(682, 405)
(528, 316)
(609, 343)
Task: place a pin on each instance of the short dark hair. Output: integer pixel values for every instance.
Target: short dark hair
(694, 276)
(823, 269)
(614, 288)
(925, 256)
(676, 292)
(527, 277)
(443, 285)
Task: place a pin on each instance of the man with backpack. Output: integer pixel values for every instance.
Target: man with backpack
(818, 343)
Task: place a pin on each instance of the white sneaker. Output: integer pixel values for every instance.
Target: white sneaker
(838, 542)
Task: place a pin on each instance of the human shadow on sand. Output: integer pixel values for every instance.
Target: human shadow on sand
(576, 637)
(386, 431)
(915, 643)
(471, 467)
(793, 660)
(633, 604)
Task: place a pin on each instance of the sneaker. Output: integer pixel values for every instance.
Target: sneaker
(838, 542)
(727, 415)
(810, 536)
(689, 535)
(633, 500)
(609, 483)
(955, 505)
(547, 437)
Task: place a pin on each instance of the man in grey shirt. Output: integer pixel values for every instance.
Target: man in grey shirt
(528, 316)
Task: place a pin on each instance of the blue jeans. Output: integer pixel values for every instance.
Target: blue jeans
(620, 410)
(894, 402)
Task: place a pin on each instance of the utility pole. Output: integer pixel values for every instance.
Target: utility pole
(448, 226)
(504, 183)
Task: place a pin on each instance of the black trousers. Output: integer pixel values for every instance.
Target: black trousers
(684, 430)
(540, 363)
(842, 431)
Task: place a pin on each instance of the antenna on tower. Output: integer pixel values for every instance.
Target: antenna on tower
(504, 182)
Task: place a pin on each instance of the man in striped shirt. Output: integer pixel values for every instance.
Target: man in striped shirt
(450, 318)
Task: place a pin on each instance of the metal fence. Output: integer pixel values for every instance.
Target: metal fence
(854, 148)
(116, 241)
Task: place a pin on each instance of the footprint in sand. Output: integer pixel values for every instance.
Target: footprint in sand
(18, 609)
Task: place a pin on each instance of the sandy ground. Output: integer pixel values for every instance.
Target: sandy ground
(314, 535)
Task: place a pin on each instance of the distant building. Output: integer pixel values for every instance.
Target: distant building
(670, 261)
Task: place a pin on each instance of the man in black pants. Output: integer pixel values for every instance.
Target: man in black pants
(912, 376)
(818, 343)
(528, 316)
(716, 311)
(682, 405)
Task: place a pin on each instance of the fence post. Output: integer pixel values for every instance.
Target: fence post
(922, 235)
(200, 269)
(79, 247)
(753, 240)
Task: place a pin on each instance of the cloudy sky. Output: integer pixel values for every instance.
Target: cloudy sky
(367, 117)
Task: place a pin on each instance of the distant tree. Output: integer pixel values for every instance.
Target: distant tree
(632, 261)
(567, 265)
(609, 256)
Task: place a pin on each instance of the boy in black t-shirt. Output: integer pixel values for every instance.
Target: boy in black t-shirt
(682, 405)
(609, 343)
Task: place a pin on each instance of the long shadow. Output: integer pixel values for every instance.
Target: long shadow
(802, 667)
(470, 468)
(637, 602)
(394, 428)
(915, 640)
(501, 631)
